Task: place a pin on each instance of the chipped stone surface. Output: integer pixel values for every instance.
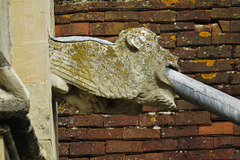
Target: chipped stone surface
(131, 69)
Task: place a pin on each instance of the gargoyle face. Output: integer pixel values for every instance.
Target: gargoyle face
(157, 89)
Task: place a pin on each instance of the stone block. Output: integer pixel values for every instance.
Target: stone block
(217, 128)
(195, 15)
(114, 146)
(17, 31)
(48, 150)
(30, 62)
(39, 103)
(121, 16)
(158, 16)
(193, 118)
(183, 131)
(160, 145)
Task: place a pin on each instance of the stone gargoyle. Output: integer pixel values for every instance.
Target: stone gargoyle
(91, 75)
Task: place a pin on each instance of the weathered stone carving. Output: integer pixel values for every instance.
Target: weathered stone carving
(112, 77)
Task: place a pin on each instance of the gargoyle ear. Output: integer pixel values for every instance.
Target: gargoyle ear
(137, 39)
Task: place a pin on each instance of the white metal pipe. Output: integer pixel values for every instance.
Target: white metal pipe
(206, 97)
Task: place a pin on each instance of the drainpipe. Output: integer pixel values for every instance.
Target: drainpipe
(206, 97)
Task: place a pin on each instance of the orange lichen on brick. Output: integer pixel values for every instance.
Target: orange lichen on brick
(67, 16)
(208, 75)
(204, 34)
(209, 63)
(153, 119)
(145, 26)
(170, 2)
(173, 38)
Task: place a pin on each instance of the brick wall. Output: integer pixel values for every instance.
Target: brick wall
(205, 34)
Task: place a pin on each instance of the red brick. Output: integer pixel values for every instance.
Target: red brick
(131, 25)
(104, 134)
(120, 120)
(180, 4)
(225, 25)
(87, 148)
(184, 105)
(216, 118)
(63, 158)
(148, 156)
(212, 3)
(195, 143)
(89, 17)
(97, 29)
(95, 120)
(160, 145)
(110, 157)
(235, 3)
(185, 53)
(229, 89)
(71, 134)
(201, 154)
(168, 40)
(124, 146)
(153, 27)
(182, 131)
(79, 159)
(178, 26)
(138, 134)
(237, 151)
(215, 52)
(63, 121)
(201, 65)
(113, 28)
(226, 38)
(70, 8)
(158, 16)
(62, 19)
(216, 29)
(149, 109)
(235, 26)
(106, 6)
(63, 149)
(121, 16)
(236, 130)
(191, 38)
(202, 27)
(72, 29)
(212, 78)
(141, 5)
(193, 118)
(236, 52)
(146, 120)
(111, 39)
(235, 78)
(226, 13)
(195, 15)
(226, 141)
(217, 128)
